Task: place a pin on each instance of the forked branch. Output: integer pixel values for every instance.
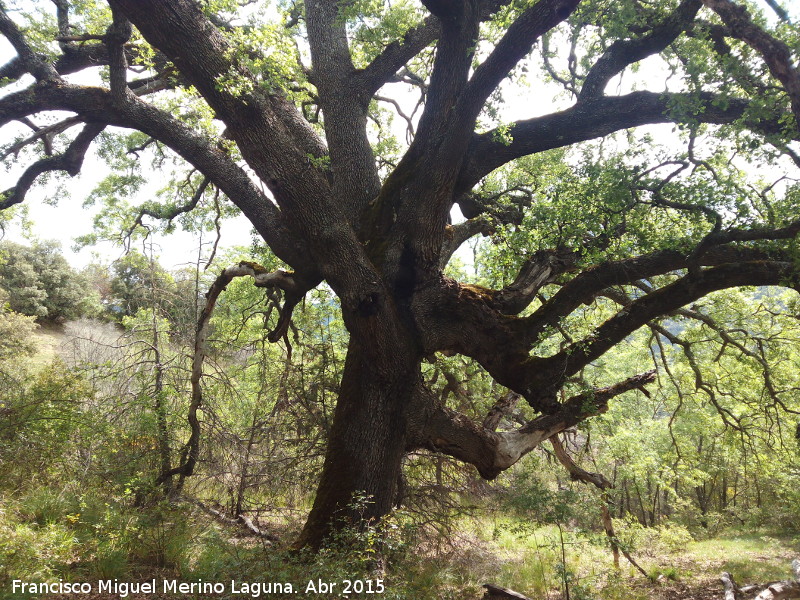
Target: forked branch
(493, 452)
(685, 290)
(397, 54)
(70, 162)
(775, 52)
(263, 278)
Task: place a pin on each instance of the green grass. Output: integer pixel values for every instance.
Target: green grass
(750, 556)
(527, 559)
(45, 535)
(48, 339)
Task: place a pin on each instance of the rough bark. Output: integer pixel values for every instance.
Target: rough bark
(381, 240)
(367, 441)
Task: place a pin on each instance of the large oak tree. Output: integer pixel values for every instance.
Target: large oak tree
(301, 149)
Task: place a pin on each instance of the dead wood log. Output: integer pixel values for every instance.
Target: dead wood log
(781, 590)
(777, 590)
(240, 520)
(732, 591)
(495, 592)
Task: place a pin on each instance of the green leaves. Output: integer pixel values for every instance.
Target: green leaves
(264, 54)
(184, 197)
(374, 24)
(16, 333)
(40, 283)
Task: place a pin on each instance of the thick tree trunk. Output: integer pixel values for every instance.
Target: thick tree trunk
(367, 441)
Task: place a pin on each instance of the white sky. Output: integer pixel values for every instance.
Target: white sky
(66, 220)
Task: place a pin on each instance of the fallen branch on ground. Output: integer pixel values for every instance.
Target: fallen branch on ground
(495, 592)
(777, 590)
(240, 520)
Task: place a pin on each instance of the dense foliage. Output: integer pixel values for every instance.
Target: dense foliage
(482, 230)
(86, 435)
(40, 283)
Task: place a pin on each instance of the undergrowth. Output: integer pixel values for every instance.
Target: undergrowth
(47, 535)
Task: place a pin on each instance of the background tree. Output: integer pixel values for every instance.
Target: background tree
(272, 109)
(40, 283)
(15, 333)
(136, 284)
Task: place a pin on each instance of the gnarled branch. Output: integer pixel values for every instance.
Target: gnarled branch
(70, 161)
(263, 278)
(775, 52)
(622, 53)
(537, 271)
(492, 452)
